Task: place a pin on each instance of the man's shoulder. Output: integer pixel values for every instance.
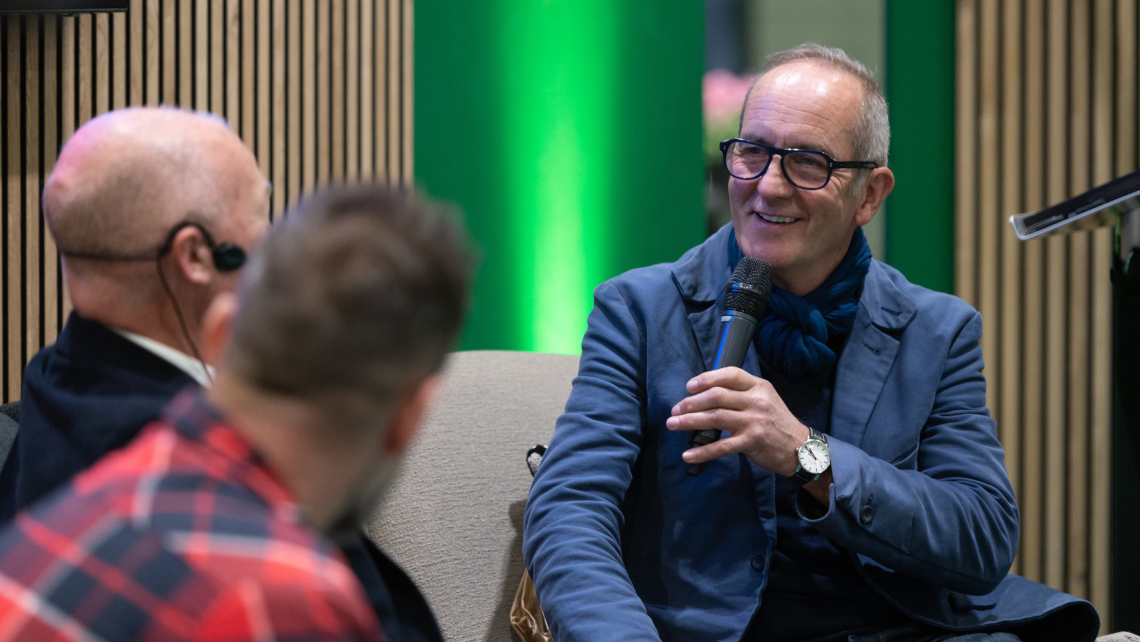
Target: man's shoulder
(87, 394)
(893, 293)
(181, 539)
(92, 380)
(698, 273)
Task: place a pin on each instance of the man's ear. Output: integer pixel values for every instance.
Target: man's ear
(192, 256)
(878, 186)
(410, 415)
(217, 326)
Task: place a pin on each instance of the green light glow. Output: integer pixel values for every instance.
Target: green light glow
(558, 59)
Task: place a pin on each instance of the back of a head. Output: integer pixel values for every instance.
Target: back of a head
(125, 177)
(357, 295)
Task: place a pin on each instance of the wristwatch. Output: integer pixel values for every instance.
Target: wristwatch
(814, 456)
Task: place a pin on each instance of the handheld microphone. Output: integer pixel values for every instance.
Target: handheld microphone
(745, 300)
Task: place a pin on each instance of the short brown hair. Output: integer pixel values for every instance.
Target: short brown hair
(360, 292)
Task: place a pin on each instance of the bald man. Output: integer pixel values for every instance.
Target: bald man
(152, 211)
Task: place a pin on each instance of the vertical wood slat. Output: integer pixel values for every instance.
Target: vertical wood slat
(1100, 362)
(184, 37)
(367, 88)
(31, 128)
(136, 26)
(988, 231)
(247, 125)
(262, 87)
(14, 316)
(352, 90)
(965, 149)
(280, 127)
(1126, 61)
(1031, 497)
(1065, 126)
(293, 144)
(83, 69)
(233, 64)
(407, 37)
(153, 32)
(67, 102)
(381, 71)
(1055, 300)
(393, 77)
(50, 150)
(320, 91)
(201, 55)
(1009, 280)
(323, 81)
(120, 84)
(101, 77)
(217, 42)
(336, 93)
(310, 95)
(168, 52)
(1078, 305)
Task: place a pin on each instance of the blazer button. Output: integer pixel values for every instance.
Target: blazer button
(758, 562)
(866, 515)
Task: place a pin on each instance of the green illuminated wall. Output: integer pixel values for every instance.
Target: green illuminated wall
(569, 131)
(920, 92)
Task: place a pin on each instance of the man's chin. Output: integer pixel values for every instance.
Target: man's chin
(347, 524)
(775, 255)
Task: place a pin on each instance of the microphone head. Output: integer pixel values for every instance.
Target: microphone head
(749, 287)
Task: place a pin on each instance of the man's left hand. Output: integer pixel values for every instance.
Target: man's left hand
(747, 406)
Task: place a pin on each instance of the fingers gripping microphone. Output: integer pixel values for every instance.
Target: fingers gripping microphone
(745, 300)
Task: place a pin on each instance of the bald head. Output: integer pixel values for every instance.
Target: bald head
(125, 178)
(121, 186)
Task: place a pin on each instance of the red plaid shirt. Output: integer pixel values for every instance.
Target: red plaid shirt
(185, 534)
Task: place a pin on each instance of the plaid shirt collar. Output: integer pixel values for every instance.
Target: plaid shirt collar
(197, 420)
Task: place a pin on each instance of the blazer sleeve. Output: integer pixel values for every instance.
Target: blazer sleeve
(953, 520)
(573, 518)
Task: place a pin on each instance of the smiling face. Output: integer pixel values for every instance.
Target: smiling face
(803, 234)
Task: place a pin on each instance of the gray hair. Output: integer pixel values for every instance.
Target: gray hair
(871, 135)
(356, 297)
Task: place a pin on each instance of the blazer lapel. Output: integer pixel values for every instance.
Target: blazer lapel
(884, 313)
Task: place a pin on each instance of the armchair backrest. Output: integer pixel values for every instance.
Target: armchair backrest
(453, 518)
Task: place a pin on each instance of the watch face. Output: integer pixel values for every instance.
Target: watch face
(814, 456)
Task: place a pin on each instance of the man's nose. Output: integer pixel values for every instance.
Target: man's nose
(772, 183)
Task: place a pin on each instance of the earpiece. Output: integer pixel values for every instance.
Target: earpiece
(227, 256)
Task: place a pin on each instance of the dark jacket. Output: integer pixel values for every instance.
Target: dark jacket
(84, 396)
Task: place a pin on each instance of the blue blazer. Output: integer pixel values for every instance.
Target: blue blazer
(624, 545)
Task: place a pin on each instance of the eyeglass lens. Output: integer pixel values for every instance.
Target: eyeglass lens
(804, 169)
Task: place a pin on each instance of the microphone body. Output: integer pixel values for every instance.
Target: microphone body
(746, 299)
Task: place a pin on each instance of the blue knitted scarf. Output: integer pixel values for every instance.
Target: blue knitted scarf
(793, 335)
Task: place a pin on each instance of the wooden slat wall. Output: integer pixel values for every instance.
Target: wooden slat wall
(320, 91)
(1046, 108)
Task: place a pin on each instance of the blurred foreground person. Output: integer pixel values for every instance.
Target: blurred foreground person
(153, 211)
(218, 522)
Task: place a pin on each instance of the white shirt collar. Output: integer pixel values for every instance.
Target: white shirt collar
(200, 372)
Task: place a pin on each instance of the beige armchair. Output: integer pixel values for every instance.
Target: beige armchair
(453, 518)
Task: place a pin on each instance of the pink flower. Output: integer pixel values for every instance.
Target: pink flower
(723, 95)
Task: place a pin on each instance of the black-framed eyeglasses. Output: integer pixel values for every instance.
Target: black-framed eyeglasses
(809, 170)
